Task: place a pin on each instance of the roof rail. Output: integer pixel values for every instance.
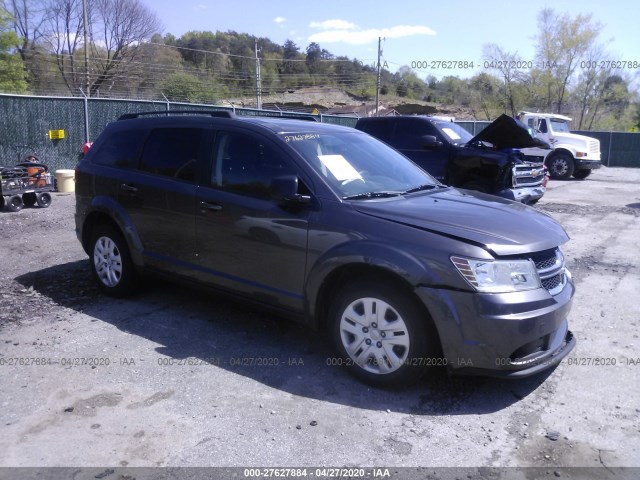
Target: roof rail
(211, 113)
(307, 118)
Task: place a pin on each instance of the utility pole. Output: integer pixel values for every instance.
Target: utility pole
(258, 80)
(86, 49)
(378, 76)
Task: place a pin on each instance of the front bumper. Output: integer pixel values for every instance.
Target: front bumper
(510, 335)
(523, 194)
(586, 164)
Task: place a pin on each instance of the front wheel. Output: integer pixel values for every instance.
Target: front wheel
(111, 263)
(581, 174)
(382, 334)
(560, 166)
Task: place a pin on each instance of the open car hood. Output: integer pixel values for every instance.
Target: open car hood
(507, 132)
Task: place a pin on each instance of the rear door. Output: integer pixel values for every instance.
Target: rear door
(246, 241)
(160, 195)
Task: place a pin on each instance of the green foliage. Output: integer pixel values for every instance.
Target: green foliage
(12, 74)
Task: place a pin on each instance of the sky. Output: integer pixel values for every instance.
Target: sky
(440, 34)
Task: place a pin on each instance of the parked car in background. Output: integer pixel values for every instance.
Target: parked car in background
(332, 227)
(489, 162)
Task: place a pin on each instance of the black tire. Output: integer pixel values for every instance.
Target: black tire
(560, 166)
(43, 199)
(15, 203)
(404, 356)
(582, 173)
(111, 264)
(1, 202)
(29, 199)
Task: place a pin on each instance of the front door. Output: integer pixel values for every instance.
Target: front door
(246, 241)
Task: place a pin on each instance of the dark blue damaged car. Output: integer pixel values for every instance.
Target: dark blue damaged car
(332, 227)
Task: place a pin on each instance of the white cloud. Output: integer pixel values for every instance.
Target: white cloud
(334, 24)
(361, 37)
(279, 19)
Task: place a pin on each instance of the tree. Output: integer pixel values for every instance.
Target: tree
(508, 65)
(562, 41)
(116, 28)
(28, 17)
(12, 74)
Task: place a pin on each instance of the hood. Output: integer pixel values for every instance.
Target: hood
(507, 132)
(572, 139)
(500, 226)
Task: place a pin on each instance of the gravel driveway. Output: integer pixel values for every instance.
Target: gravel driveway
(179, 377)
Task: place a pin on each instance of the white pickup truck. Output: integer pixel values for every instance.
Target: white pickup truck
(572, 154)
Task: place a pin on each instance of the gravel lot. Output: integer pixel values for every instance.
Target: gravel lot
(178, 377)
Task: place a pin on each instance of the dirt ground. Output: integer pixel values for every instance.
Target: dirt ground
(162, 379)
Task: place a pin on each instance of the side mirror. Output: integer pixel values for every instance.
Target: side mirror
(430, 142)
(285, 191)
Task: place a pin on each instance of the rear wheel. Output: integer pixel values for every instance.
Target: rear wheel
(15, 203)
(1, 202)
(29, 199)
(582, 174)
(111, 263)
(43, 200)
(382, 334)
(560, 166)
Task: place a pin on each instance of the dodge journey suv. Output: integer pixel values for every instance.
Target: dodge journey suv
(334, 228)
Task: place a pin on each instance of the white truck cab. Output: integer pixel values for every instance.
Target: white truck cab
(572, 154)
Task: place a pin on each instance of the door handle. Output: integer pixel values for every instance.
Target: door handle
(128, 188)
(211, 206)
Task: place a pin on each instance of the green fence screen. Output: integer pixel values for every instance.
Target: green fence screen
(25, 122)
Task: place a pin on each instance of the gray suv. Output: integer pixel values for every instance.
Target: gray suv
(334, 228)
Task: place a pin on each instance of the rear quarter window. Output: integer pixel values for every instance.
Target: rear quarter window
(121, 149)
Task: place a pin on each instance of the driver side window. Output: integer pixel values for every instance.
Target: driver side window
(245, 164)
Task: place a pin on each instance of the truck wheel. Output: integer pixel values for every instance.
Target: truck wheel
(29, 199)
(560, 166)
(581, 174)
(111, 263)
(43, 200)
(382, 335)
(1, 202)
(15, 203)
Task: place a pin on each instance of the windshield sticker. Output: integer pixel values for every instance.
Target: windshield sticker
(452, 135)
(340, 167)
(301, 136)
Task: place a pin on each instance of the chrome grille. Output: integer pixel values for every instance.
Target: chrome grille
(594, 146)
(553, 282)
(550, 266)
(527, 175)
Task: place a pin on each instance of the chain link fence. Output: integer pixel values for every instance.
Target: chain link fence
(25, 123)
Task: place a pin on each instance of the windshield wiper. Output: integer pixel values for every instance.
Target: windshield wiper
(364, 196)
(426, 186)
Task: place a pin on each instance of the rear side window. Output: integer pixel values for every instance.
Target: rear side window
(173, 152)
(409, 132)
(380, 129)
(121, 149)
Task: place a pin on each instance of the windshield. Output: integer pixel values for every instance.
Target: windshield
(454, 132)
(559, 125)
(355, 164)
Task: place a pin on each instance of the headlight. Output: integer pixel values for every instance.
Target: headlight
(498, 276)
